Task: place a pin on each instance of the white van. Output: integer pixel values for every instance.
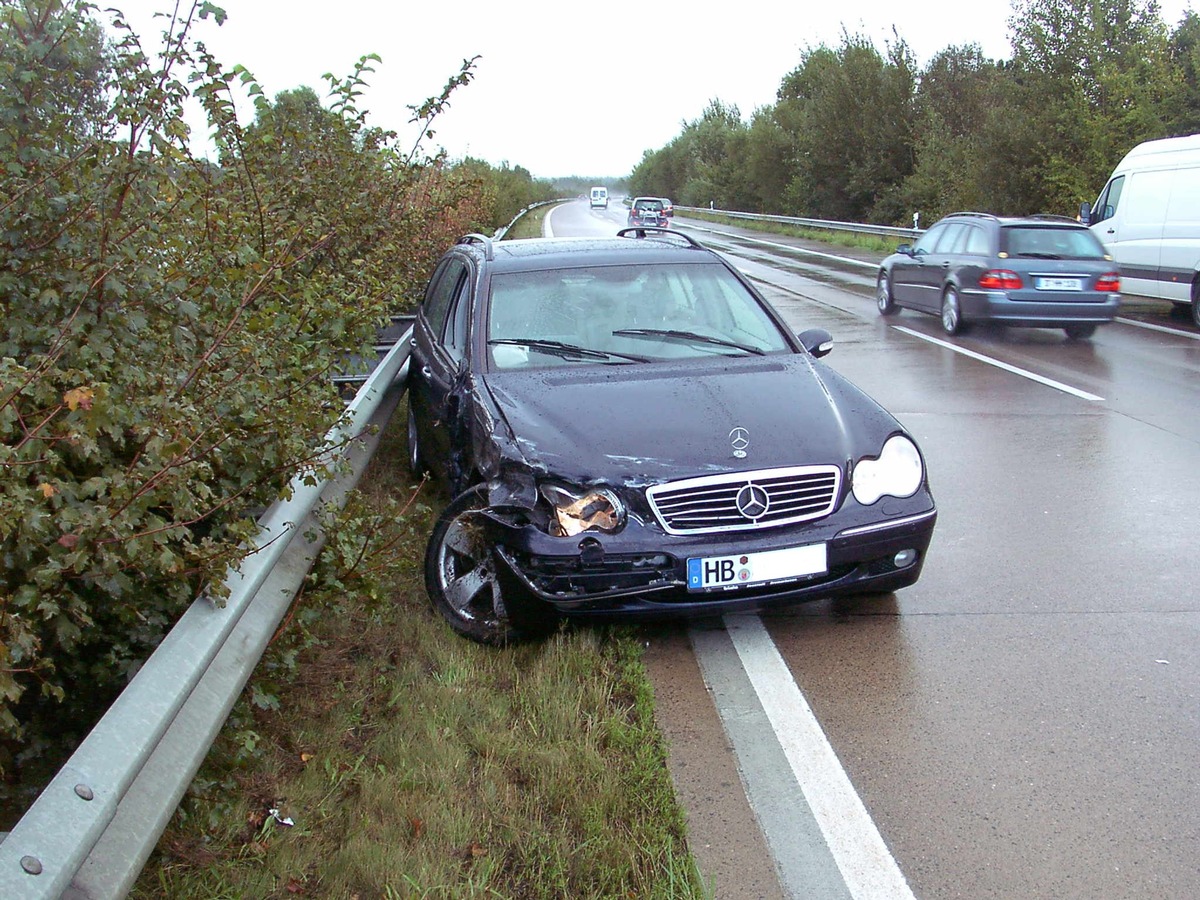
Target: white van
(600, 197)
(1148, 217)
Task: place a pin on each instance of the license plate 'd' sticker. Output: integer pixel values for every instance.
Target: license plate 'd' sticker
(1059, 284)
(709, 572)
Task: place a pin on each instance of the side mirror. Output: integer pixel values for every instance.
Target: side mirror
(906, 249)
(817, 341)
(1085, 213)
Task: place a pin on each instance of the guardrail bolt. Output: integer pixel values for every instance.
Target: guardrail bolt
(31, 864)
(82, 790)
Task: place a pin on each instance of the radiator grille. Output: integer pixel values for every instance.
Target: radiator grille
(743, 501)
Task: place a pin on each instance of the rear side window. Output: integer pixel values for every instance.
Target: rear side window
(976, 242)
(1039, 242)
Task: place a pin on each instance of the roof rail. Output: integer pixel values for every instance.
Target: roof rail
(1054, 217)
(982, 215)
(476, 238)
(641, 231)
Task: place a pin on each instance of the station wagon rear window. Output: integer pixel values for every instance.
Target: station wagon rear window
(1039, 242)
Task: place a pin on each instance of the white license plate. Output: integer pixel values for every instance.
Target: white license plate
(1059, 284)
(708, 572)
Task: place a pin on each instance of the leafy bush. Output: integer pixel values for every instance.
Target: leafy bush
(171, 323)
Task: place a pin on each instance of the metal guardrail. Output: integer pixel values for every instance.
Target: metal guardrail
(823, 224)
(501, 232)
(91, 830)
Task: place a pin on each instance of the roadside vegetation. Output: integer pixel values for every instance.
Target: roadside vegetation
(863, 135)
(171, 322)
(829, 236)
(395, 759)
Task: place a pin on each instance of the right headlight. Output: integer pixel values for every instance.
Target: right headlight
(897, 472)
(574, 511)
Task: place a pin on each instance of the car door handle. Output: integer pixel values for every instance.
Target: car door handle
(426, 371)
(946, 264)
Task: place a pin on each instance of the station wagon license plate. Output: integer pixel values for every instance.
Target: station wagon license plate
(1059, 284)
(745, 569)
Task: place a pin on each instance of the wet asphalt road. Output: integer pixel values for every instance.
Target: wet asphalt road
(1024, 721)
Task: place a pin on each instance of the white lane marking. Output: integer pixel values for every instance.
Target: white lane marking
(742, 237)
(862, 857)
(547, 228)
(1024, 373)
(1163, 328)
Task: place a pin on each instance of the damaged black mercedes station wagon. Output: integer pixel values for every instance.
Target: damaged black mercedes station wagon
(629, 429)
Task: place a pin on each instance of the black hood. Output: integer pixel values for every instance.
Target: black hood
(642, 424)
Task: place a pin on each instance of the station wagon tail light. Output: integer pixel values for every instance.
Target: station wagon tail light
(897, 472)
(1000, 280)
(1109, 282)
(587, 509)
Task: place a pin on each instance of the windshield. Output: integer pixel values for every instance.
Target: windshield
(623, 314)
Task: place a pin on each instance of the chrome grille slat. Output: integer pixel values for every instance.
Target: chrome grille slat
(709, 503)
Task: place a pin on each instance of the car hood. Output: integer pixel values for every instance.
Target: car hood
(643, 424)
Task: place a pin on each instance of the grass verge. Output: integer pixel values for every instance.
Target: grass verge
(375, 754)
(868, 242)
(529, 225)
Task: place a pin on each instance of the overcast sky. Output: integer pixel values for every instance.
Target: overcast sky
(569, 88)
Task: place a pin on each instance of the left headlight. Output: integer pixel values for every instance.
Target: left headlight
(897, 472)
(574, 511)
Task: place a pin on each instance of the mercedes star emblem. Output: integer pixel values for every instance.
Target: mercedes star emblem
(739, 437)
(752, 501)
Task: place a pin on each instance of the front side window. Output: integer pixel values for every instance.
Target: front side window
(929, 240)
(1110, 197)
(446, 284)
(621, 314)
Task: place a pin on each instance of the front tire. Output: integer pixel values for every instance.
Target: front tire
(467, 583)
(952, 322)
(1195, 307)
(416, 465)
(884, 298)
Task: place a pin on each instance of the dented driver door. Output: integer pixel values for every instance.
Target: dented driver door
(439, 361)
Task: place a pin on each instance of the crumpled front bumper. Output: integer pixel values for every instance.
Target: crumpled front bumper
(642, 571)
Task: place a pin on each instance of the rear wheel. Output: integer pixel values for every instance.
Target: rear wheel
(1080, 332)
(952, 322)
(1196, 304)
(884, 298)
(470, 587)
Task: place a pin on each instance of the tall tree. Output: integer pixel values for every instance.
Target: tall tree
(850, 112)
(1098, 79)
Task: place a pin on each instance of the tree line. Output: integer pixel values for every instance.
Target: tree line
(857, 134)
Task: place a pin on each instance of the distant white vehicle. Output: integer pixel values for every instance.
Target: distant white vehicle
(599, 197)
(1148, 218)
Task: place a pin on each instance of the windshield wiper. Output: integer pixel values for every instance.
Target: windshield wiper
(688, 337)
(1040, 255)
(566, 351)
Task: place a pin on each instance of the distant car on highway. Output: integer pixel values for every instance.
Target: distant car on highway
(599, 197)
(1032, 272)
(647, 211)
(629, 429)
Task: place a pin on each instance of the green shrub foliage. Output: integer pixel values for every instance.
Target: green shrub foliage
(171, 322)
